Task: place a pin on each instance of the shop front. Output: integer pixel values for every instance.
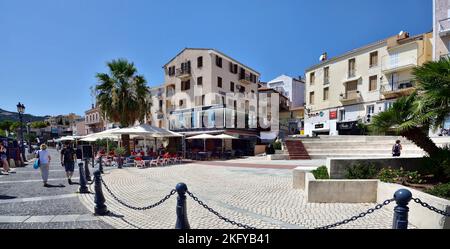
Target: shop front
(348, 128)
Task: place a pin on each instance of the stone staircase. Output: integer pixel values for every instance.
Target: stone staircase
(296, 150)
(357, 146)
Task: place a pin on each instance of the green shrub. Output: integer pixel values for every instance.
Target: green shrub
(120, 151)
(361, 171)
(438, 165)
(441, 190)
(399, 176)
(277, 145)
(321, 173)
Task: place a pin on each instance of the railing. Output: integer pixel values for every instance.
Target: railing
(246, 78)
(392, 63)
(402, 198)
(351, 95)
(444, 26)
(183, 72)
(400, 85)
(351, 73)
(326, 81)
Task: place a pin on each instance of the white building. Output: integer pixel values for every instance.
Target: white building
(290, 87)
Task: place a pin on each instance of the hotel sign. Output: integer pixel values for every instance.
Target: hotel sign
(333, 114)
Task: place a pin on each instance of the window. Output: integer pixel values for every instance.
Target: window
(235, 68)
(311, 98)
(341, 115)
(232, 67)
(181, 103)
(351, 68)
(370, 109)
(185, 85)
(373, 83)
(242, 89)
(326, 75)
(171, 71)
(325, 93)
(374, 59)
(219, 82)
(200, 81)
(200, 62)
(218, 61)
(232, 86)
(312, 78)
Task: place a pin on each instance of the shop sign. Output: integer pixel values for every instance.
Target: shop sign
(333, 114)
(319, 126)
(316, 114)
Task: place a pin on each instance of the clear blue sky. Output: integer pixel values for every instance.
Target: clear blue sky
(50, 50)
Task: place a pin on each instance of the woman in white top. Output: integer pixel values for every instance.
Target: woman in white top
(44, 162)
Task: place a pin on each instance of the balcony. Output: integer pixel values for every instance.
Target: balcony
(183, 73)
(444, 27)
(351, 73)
(326, 81)
(397, 63)
(397, 89)
(350, 97)
(245, 78)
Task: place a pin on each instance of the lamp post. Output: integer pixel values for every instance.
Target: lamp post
(21, 110)
(29, 138)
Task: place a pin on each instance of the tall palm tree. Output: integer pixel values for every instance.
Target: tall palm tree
(122, 95)
(433, 85)
(402, 119)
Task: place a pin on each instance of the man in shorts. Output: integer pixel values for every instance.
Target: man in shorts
(68, 159)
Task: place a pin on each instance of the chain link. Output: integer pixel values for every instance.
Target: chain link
(361, 215)
(217, 213)
(172, 192)
(426, 205)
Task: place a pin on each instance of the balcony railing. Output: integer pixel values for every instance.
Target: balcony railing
(444, 27)
(397, 89)
(351, 73)
(400, 62)
(183, 72)
(245, 78)
(326, 81)
(350, 96)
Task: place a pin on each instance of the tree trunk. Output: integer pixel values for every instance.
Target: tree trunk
(421, 139)
(126, 144)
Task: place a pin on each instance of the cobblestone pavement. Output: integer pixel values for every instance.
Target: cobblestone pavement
(263, 198)
(25, 203)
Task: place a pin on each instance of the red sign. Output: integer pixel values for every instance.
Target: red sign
(333, 114)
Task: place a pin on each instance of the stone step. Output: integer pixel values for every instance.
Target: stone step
(351, 152)
(319, 156)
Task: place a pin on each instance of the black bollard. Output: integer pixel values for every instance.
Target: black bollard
(88, 174)
(83, 188)
(182, 220)
(402, 198)
(100, 207)
(100, 164)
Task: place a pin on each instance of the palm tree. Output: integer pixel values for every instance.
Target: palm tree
(122, 95)
(402, 119)
(433, 85)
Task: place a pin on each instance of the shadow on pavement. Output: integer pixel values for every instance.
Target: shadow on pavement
(55, 186)
(7, 197)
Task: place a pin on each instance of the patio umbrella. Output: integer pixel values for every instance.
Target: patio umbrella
(204, 137)
(223, 137)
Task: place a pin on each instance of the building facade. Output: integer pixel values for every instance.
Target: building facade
(441, 40)
(349, 89)
(94, 122)
(206, 91)
(290, 87)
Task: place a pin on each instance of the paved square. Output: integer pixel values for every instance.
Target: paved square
(263, 198)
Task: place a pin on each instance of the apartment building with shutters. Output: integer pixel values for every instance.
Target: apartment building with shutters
(351, 88)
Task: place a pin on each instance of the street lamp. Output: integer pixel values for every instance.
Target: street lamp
(29, 138)
(21, 110)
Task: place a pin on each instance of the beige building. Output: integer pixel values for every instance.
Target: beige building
(95, 122)
(206, 91)
(351, 88)
(441, 40)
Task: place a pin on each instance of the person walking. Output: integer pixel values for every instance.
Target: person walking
(4, 160)
(68, 159)
(396, 149)
(44, 163)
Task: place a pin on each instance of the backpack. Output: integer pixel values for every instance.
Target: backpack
(396, 149)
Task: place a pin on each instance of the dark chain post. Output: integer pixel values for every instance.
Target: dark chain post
(100, 164)
(100, 207)
(182, 220)
(402, 197)
(86, 169)
(83, 188)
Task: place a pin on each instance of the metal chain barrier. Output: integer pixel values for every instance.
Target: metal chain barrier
(217, 214)
(426, 205)
(172, 192)
(361, 215)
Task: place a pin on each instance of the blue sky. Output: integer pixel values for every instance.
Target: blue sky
(50, 50)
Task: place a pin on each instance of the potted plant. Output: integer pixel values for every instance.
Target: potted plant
(120, 151)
